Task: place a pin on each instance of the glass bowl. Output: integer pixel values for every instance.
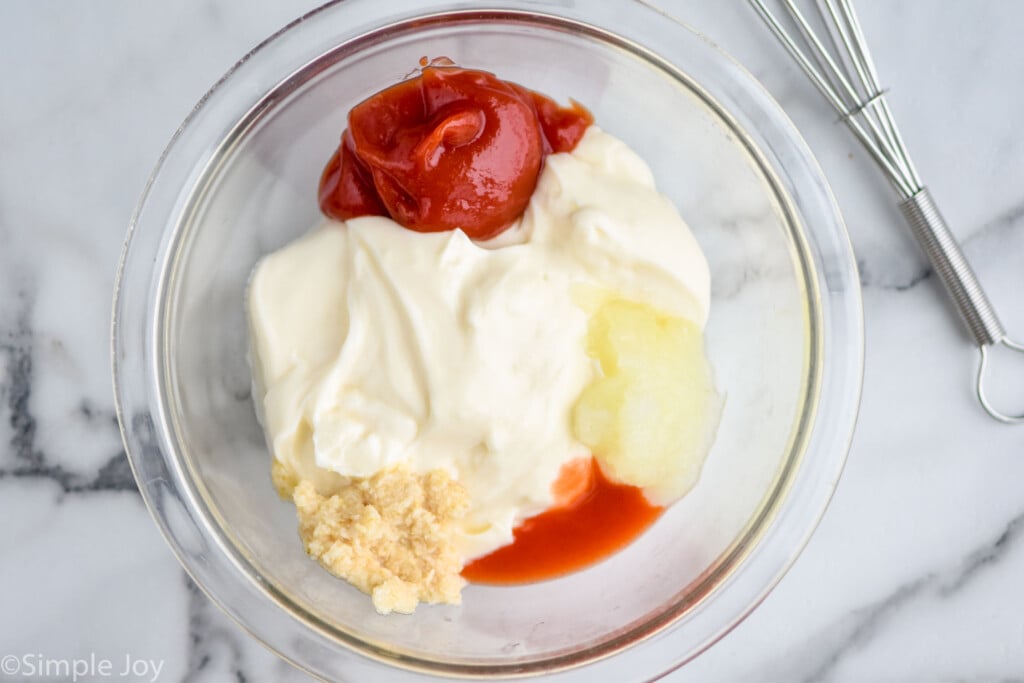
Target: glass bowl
(785, 338)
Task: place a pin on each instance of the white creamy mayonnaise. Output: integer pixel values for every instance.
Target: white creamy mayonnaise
(374, 345)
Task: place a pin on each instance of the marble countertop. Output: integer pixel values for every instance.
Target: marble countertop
(915, 572)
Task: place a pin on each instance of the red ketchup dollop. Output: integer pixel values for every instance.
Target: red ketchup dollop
(450, 148)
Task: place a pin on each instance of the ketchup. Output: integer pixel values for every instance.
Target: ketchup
(450, 148)
(603, 517)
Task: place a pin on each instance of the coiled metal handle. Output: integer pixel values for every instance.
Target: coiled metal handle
(951, 265)
(949, 262)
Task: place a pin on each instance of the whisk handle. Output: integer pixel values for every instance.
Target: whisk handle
(949, 262)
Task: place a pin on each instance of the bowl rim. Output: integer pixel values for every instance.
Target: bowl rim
(143, 440)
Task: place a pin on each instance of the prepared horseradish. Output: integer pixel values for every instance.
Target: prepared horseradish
(487, 363)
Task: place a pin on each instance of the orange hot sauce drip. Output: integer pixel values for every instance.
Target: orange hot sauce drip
(450, 148)
(601, 519)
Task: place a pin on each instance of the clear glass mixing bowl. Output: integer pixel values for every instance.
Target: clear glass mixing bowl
(785, 337)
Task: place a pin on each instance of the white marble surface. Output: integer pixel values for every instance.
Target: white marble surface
(915, 572)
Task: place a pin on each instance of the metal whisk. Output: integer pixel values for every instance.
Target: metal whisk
(845, 74)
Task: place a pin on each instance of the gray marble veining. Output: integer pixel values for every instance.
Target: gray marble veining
(915, 571)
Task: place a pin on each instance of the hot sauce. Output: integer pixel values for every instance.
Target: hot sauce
(450, 148)
(603, 518)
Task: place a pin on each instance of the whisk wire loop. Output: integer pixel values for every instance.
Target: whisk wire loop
(857, 46)
(877, 136)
